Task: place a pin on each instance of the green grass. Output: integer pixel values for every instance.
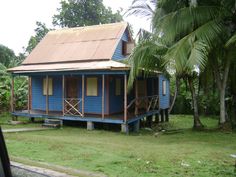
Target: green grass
(206, 153)
(5, 119)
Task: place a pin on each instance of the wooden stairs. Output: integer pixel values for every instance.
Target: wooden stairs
(53, 123)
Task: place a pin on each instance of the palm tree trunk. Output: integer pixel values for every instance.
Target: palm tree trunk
(175, 94)
(222, 83)
(197, 124)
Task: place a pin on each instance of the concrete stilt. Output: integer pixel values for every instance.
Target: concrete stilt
(125, 128)
(137, 126)
(90, 125)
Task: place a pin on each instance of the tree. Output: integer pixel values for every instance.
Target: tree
(142, 8)
(201, 31)
(193, 31)
(40, 31)
(8, 60)
(73, 13)
(6, 55)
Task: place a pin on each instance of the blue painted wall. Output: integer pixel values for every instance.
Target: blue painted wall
(164, 99)
(118, 52)
(116, 102)
(92, 104)
(39, 100)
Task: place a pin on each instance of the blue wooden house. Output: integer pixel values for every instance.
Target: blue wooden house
(76, 74)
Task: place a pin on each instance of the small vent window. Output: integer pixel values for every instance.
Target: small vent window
(127, 47)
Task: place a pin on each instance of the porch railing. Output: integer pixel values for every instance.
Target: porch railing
(146, 103)
(72, 106)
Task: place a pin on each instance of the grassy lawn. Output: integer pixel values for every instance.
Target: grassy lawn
(189, 153)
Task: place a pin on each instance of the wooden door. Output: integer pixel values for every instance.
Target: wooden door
(142, 92)
(71, 87)
(72, 101)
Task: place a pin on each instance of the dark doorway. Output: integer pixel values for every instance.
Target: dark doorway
(71, 87)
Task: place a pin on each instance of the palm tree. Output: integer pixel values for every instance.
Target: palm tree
(195, 32)
(142, 8)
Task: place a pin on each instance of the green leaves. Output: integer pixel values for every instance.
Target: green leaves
(75, 13)
(147, 57)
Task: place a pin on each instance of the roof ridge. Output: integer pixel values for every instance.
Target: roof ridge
(87, 27)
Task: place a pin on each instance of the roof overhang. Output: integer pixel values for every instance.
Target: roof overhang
(79, 66)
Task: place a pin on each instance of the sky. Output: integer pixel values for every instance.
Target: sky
(18, 19)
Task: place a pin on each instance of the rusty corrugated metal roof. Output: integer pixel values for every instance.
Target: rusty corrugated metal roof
(78, 44)
(89, 65)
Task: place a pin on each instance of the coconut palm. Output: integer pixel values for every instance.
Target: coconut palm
(142, 8)
(196, 32)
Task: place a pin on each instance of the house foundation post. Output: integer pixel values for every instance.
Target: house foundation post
(125, 128)
(90, 125)
(137, 126)
(162, 116)
(166, 115)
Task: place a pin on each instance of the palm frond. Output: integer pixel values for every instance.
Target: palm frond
(142, 8)
(231, 41)
(146, 56)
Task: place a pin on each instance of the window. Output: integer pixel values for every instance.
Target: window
(118, 87)
(127, 47)
(50, 87)
(164, 87)
(92, 86)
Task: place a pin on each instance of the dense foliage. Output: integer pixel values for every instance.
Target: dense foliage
(73, 13)
(7, 60)
(192, 39)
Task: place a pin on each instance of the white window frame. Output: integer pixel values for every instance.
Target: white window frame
(50, 86)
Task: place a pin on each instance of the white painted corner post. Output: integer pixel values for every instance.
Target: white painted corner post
(103, 95)
(125, 98)
(29, 93)
(47, 91)
(83, 95)
(12, 94)
(63, 95)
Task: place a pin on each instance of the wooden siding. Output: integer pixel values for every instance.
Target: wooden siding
(92, 104)
(39, 100)
(118, 52)
(164, 99)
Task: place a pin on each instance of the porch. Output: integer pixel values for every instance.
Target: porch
(70, 97)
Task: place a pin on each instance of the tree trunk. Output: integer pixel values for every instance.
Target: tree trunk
(197, 124)
(221, 80)
(175, 94)
(222, 107)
